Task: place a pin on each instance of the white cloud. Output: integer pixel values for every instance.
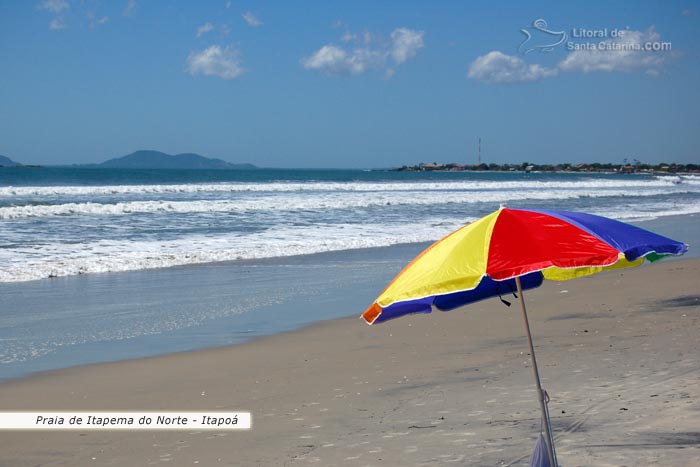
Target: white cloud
(330, 58)
(365, 38)
(203, 29)
(129, 8)
(57, 7)
(497, 67)
(54, 6)
(626, 53)
(334, 60)
(215, 61)
(641, 51)
(56, 24)
(405, 44)
(348, 37)
(251, 19)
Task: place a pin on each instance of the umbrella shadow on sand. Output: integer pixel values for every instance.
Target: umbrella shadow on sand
(683, 301)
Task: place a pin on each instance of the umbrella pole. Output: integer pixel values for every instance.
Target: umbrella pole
(540, 393)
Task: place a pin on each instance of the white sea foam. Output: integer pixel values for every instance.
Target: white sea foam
(290, 202)
(65, 230)
(38, 261)
(584, 182)
(632, 213)
(65, 259)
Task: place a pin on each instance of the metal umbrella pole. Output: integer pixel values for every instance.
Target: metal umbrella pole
(549, 439)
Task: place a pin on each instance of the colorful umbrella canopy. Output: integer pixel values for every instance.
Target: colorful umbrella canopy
(512, 250)
(483, 258)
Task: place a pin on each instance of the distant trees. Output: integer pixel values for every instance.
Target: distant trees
(635, 167)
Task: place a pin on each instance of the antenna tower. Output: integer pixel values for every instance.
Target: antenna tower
(479, 153)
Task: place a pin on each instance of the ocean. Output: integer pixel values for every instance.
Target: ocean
(106, 264)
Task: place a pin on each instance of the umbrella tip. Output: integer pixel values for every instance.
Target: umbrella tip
(503, 205)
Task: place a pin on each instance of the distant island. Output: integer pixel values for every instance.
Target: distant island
(146, 159)
(625, 167)
(7, 162)
(161, 160)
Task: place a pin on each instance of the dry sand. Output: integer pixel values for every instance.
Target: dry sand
(618, 354)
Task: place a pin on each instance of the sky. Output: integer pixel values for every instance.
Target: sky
(351, 84)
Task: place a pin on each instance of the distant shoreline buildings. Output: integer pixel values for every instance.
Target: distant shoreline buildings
(663, 168)
(636, 166)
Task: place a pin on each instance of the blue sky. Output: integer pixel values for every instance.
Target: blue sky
(350, 83)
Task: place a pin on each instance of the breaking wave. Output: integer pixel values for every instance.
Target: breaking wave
(304, 202)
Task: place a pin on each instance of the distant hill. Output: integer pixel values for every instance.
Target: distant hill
(7, 162)
(160, 160)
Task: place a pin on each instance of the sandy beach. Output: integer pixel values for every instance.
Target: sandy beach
(618, 354)
(203, 204)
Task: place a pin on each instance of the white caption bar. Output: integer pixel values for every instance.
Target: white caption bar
(125, 420)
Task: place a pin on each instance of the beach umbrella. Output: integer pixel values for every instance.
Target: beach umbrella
(512, 250)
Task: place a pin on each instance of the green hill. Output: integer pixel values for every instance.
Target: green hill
(160, 160)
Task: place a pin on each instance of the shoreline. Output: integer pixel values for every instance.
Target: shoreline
(561, 172)
(300, 329)
(195, 305)
(420, 390)
(210, 315)
(253, 338)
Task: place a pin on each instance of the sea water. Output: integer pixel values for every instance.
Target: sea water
(100, 265)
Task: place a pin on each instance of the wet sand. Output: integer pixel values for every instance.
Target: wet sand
(618, 354)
